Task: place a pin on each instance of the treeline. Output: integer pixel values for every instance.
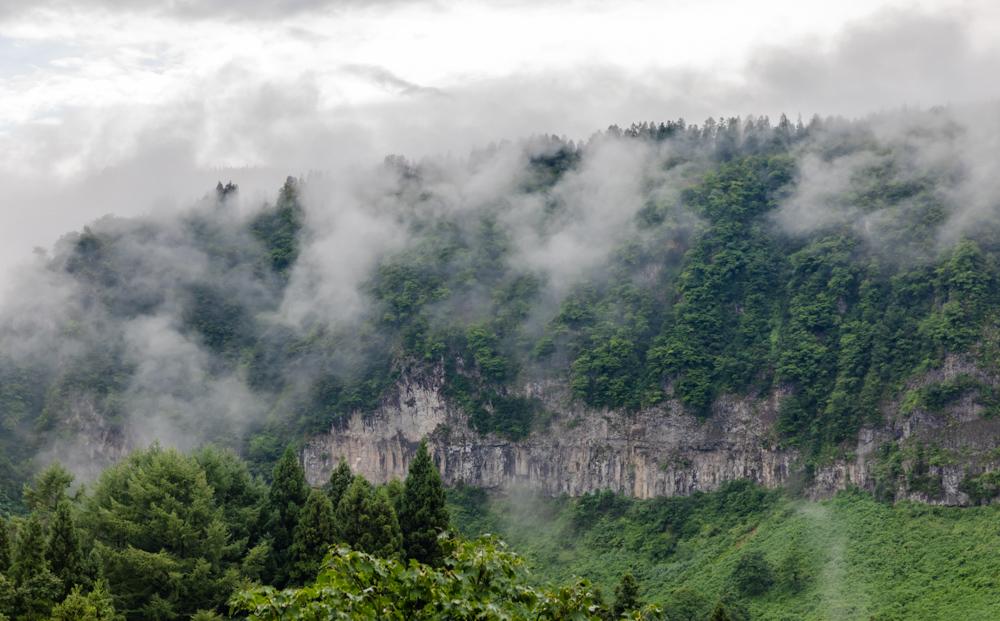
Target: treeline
(163, 535)
(706, 293)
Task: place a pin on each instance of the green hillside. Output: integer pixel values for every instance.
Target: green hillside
(846, 558)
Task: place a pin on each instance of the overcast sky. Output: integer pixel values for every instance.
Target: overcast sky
(126, 106)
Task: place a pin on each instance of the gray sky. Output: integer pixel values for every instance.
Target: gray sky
(108, 106)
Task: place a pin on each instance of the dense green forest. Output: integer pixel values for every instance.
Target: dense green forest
(717, 276)
(164, 535)
(832, 261)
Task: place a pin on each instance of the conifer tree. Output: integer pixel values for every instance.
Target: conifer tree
(365, 520)
(287, 495)
(423, 514)
(36, 587)
(94, 606)
(626, 595)
(314, 534)
(340, 480)
(29, 551)
(64, 552)
(43, 495)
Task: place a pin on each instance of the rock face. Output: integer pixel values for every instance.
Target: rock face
(659, 451)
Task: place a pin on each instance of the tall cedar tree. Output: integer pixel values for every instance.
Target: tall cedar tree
(340, 480)
(423, 514)
(37, 588)
(285, 500)
(314, 534)
(64, 552)
(365, 520)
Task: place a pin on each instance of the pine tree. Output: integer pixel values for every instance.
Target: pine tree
(36, 587)
(287, 495)
(29, 551)
(423, 514)
(43, 495)
(626, 595)
(314, 534)
(365, 520)
(64, 552)
(340, 480)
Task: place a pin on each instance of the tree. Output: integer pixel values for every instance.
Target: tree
(289, 492)
(64, 552)
(163, 543)
(753, 574)
(423, 514)
(36, 588)
(94, 606)
(236, 491)
(394, 492)
(314, 534)
(340, 480)
(365, 520)
(48, 489)
(626, 595)
(477, 580)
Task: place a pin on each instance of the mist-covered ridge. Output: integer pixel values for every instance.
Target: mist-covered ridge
(833, 259)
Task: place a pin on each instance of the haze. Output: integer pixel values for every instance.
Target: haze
(127, 108)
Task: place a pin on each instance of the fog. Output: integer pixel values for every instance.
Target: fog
(140, 130)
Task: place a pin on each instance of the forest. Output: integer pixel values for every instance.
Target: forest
(830, 260)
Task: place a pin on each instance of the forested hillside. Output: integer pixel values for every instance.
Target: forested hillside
(829, 268)
(832, 260)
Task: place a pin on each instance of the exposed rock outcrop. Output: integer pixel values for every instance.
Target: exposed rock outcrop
(659, 451)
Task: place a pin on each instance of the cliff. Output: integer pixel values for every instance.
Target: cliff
(914, 453)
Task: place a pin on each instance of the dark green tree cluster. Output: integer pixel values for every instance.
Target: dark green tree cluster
(163, 535)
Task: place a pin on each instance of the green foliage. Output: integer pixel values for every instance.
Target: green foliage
(48, 491)
(5, 549)
(313, 536)
(161, 536)
(423, 516)
(626, 596)
(288, 494)
(97, 605)
(982, 488)
(64, 551)
(752, 574)
(236, 491)
(478, 580)
(366, 520)
(36, 588)
(340, 479)
(278, 228)
(849, 557)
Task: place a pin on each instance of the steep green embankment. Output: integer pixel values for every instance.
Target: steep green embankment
(846, 558)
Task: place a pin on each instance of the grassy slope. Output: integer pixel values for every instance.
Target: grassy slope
(861, 559)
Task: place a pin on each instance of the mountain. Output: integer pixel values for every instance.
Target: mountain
(657, 311)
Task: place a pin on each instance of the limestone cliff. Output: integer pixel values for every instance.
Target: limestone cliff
(662, 450)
